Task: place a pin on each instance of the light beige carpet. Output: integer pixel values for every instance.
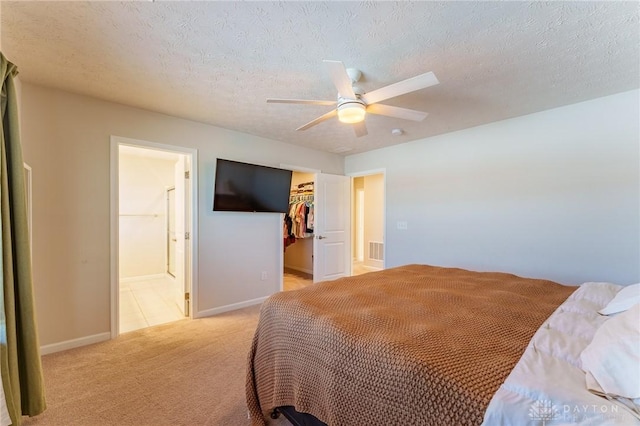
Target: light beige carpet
(190, 372)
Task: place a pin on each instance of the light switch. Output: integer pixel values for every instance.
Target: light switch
(402, 224)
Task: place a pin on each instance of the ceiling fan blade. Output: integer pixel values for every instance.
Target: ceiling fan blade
(299, 101)
(319, 120)
(397, 112)
(360, 129)
(340, 79)
(400, 88)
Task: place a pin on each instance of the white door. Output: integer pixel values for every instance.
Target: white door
(332, 227)
(188, 232)
(172, 239)
(181, 217)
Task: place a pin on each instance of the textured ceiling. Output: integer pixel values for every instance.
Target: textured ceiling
(217, 62)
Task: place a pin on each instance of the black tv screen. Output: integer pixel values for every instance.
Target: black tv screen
(243, 187)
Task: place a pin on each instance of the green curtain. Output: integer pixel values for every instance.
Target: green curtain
(20, 364)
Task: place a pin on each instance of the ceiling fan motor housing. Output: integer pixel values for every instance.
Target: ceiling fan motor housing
(354, 74)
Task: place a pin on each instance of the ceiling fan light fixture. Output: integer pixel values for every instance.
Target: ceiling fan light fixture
(351, 112)
(352, 103)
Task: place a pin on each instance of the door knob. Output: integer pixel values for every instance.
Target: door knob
(320, 237)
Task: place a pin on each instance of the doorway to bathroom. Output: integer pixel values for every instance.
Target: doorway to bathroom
(153, 241)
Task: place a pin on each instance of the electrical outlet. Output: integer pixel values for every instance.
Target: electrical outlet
(263, 275)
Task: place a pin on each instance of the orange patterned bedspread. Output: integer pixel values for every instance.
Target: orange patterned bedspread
(410, 345)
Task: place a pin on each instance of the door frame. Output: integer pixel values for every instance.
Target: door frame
(191, 267)
(351, 175)
(364, 173)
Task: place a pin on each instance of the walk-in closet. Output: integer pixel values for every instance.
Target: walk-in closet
(298, 232)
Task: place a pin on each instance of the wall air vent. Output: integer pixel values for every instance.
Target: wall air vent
(376, 250)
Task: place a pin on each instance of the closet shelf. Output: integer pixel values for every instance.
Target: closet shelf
(299, 197)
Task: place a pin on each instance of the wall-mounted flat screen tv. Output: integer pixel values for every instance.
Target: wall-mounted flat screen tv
(243, 187)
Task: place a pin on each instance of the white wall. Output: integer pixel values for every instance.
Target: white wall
(553, 195)
(143, 182)
(66, 139)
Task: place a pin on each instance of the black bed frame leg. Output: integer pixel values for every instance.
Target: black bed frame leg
(275, 413)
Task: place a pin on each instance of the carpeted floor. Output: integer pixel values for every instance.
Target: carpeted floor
(190, 372)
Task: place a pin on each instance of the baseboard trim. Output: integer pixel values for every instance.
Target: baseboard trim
(143, 278)
(227, 308)
(295, 268)
(102, 337)
(74, 343)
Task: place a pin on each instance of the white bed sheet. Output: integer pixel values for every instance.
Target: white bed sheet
(547, 386)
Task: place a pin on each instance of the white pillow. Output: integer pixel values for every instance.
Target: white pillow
(612, 359)
(626, 298)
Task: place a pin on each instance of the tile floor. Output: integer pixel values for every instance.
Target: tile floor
(147, 303)
(358, 268)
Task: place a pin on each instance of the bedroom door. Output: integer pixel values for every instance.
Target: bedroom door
(180, 237)
(332, 227)
(171, 230)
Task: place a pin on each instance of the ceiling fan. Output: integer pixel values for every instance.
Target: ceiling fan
(353, 104)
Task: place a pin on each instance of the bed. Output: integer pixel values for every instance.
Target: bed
(419, 345)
